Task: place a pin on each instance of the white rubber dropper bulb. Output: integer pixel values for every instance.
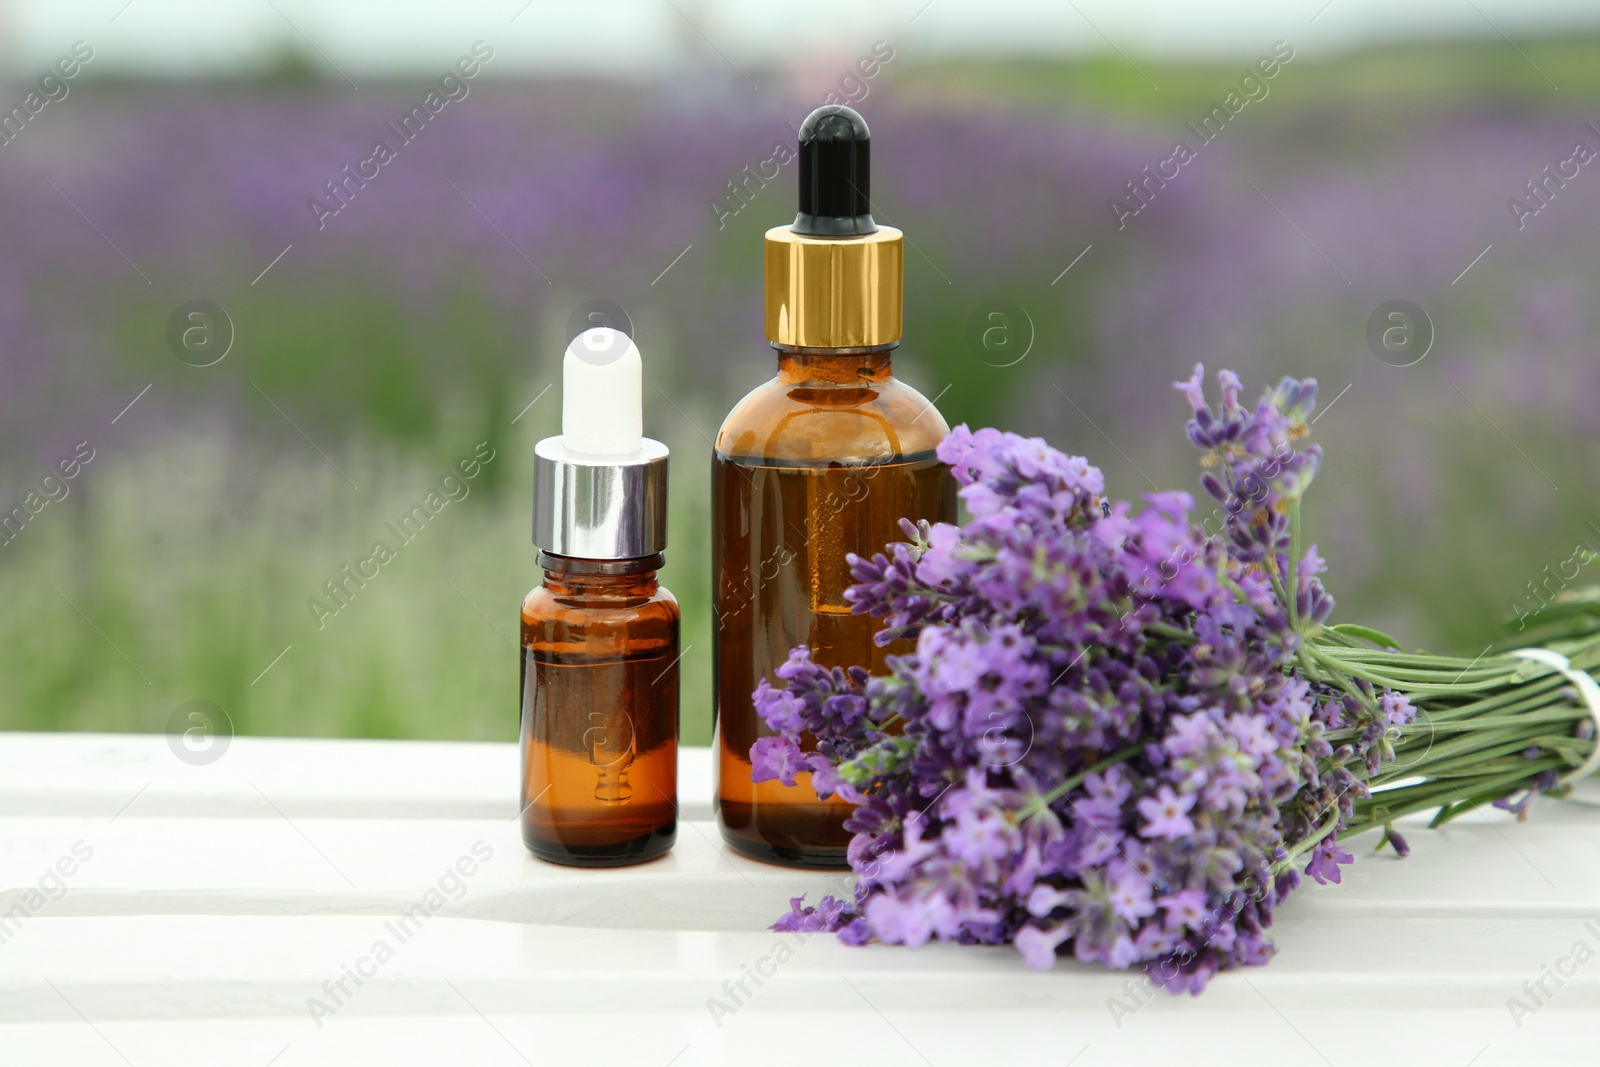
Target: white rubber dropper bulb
(602, 402)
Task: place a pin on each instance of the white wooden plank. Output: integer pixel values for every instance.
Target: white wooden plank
(97, 774)
(555, 992)
(210, 910)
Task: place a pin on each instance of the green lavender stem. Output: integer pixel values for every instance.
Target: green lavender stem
(1475, 740)
(1486, 728)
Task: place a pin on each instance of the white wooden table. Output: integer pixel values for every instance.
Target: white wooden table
(210, 909)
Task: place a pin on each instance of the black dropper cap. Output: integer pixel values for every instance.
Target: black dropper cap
(835, 174)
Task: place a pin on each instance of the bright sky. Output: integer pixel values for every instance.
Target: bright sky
(623, 38)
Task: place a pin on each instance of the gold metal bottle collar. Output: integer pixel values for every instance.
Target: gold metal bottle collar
(834, 292)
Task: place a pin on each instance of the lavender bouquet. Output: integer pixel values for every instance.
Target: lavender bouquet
(1125, 733)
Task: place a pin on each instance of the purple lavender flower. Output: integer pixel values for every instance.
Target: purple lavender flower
(826, 916)
(776, 759)
(1100, 746)
(1166, 814)
(1326, 859)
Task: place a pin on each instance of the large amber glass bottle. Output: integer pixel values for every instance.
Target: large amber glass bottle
(822, 461)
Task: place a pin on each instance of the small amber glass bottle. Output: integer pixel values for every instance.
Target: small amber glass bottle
(600, 636)
(822, 461)
(599, 712)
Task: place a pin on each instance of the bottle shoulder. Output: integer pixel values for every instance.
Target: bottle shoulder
(815, 421)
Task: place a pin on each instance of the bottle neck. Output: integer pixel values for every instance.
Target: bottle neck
(601, 578)
(839, 366)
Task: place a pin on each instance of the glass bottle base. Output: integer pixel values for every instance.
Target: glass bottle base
(816, 859)
(640, 849)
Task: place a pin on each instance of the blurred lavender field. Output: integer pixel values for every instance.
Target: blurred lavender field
(423, 323)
